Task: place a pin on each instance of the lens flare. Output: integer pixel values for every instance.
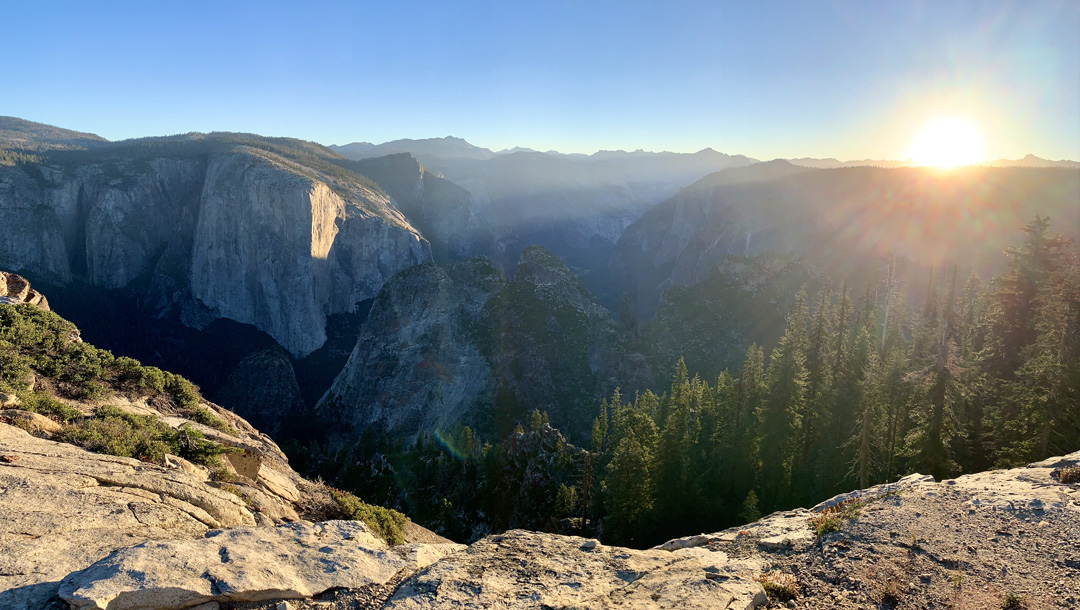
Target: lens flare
(948, 142)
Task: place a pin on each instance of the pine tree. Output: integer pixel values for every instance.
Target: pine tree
(629, 485)
(819, 377)
(1016, 364)
(678, 444)
(780, 413)
(929, 441)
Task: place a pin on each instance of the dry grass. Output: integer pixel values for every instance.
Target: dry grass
(826, 522)
(1067, 474)
(778, 585)
(1013, 601)
(886, 581)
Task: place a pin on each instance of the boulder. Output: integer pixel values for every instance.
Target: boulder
(521, 569)
(244, 564)
(63, 508)
(15, 290)
(178, 463)
(33, 423)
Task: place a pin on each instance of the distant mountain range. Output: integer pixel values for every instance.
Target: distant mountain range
(431, 151)
(1027, 161)
(575, 205)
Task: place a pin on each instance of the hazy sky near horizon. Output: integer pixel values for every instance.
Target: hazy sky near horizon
(845, 79)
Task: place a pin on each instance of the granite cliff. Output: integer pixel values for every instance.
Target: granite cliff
(459, 344)
(270, 233)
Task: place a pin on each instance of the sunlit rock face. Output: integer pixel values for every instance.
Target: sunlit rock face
(279, 250)
(239, 233)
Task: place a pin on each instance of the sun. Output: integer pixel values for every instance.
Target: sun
(948, 142)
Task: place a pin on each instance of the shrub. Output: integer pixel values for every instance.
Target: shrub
(778, 585)
(386, 522)
(1013, 601)
(112, 435)
(1067, 474)
(185, 392)
(82, 362)
(826, 522)
(116, 432)
(190, 444)
(42, 403)
(204, 416)
(14, 368)
(153, 379)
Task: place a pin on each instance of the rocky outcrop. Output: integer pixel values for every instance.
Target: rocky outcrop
(216, 228)
(295, 561)
(444, 343)
(975, 541)
(104, 532)
(522, 569)
(15, 290)
(416, 364)
(64, 508)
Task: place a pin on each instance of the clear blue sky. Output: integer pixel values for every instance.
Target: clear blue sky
(769, 79)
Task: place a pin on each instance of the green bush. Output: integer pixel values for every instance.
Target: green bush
(205, 417)
(32, 339)
(42, 403)
(185, 392)
(116, 432)
(152, 379)
(825, 523)
(116, 435)
(190, 444)
(14, 368)
(1013, 601)
(386, 522)
(778, 585)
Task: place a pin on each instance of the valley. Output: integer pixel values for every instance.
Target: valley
(572, 336)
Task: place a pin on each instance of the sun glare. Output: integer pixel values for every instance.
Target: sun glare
(948, 142)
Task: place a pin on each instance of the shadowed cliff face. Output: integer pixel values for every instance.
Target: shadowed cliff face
(455, 224)
(841, 221)
(457, 344)
(228, 232)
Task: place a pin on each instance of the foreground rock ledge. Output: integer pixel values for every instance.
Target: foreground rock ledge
(522, 569)
(293, 561)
